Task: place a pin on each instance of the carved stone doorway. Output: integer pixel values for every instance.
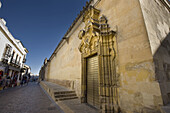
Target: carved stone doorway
(98, 39)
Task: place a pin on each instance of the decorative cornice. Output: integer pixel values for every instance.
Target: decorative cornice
(73, 25)
(166, 3)
(88, 4)
(78, 17)
(1, 29)
(95, 28)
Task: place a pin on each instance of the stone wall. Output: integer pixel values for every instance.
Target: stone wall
(66, 64)
(157, 21)
(138, 91)
(46, 71)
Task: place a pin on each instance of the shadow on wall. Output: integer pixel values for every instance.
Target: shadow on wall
(162, 68)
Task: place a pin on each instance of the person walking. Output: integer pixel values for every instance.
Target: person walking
(27, 79)
(1, 80)
(8, 81)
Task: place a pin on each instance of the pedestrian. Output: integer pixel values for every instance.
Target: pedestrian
(23, 80)
(12, 79)
(4, 81)
(8, 82)
(27, 79)
(1, 80)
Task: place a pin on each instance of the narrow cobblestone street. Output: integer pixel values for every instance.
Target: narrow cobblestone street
(27, 99)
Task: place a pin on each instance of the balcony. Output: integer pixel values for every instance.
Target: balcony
(24, 60)
(5, 60)
(22, 70)
(15, 63)
(18, 63)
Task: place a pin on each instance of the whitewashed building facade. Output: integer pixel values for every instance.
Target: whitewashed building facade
(12, 53)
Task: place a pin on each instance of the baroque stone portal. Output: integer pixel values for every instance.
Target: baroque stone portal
(99, 88)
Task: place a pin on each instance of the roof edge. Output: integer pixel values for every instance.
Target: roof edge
(88, 4)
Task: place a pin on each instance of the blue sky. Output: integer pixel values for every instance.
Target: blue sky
(39, 24)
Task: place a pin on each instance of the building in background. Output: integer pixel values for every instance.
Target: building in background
(27, 70)
(44, 70)
(12, 54)
(116, 56)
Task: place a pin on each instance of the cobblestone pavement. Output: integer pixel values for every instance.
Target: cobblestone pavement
(27, 99)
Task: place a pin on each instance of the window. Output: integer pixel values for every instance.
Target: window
(12, 56)
(19, 59)
(7, 51)
(24, 59)
(16, 58)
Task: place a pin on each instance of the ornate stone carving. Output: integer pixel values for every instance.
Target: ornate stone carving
(95, 27)
(97, 38)
(90, 34)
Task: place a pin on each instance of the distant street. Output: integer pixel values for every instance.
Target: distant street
(26, 99)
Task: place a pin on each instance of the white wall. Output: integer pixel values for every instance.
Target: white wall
(4, 33)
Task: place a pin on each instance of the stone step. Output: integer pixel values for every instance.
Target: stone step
(65, 95)
(66, 98)
(64, 92)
